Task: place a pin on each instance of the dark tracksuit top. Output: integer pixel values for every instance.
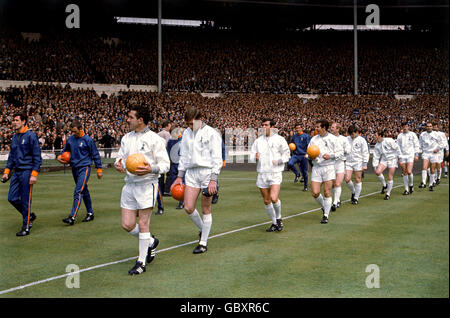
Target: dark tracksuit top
(301, 142)
(173, 149)
(83, 152)
(25, 158)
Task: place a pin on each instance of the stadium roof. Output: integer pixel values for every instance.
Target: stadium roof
(99, 14)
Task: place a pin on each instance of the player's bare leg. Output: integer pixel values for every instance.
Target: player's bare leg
(140, 230)
(276, 203)
(265, 193)
(379, 172)
(425, 166)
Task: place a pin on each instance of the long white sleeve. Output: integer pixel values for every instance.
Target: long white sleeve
(151, 146)
(376, 155)
(161, 156)
(416, 144)
(273, 148)
(284, 150)
(365, 153)
(184, 152)
(216, 152)
(201, 149)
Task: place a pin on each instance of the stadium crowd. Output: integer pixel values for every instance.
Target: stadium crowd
(52, 108)
(200, 61)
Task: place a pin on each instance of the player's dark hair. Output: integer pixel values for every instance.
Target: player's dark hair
(165, 123)
(381, 132)
(272, 122)
(142, 111)
(192, 113)
(323, 123)
(23, 116)
(352, 129)
(76, 123)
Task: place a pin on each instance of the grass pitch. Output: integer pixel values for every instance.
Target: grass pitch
(406, 237)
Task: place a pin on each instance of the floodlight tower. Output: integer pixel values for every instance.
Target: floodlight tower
(159, 49)
(355, 47)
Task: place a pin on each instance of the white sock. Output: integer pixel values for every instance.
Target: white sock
(351, 186)
(196, 218)
(445, 169)
(135, 231)
(277, 209)
(381, 178)
(319, 199)
(358, 188)
(435, 175)
(440, 173)
(271, 212)
(390, 185)
(144, 241)
(429, 171)
(411, 179)
(424, 176)
(327, 206)
(405, 182)
(431, 179)
(337, 194)
(206, 228)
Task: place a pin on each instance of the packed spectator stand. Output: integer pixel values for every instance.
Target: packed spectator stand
(256, 78)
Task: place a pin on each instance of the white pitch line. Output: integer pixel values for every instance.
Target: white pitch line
(163, 250)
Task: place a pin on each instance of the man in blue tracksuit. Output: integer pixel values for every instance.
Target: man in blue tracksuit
(301, 141)
(173, 149)
(25, 158)
(82, 152)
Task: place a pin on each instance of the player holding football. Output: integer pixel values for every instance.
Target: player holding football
(271, 152)
(443, 152)
(200, 164)
(430, 145)
(409, 147)
(173, 149)
(83, 152)
(357, 159)
(385, 155)
(140, 190)
(301, 140)
(323, 171)
(339, 165)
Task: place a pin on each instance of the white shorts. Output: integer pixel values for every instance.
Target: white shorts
(323, 173)
(393, 163)
(355, 165)
(440, 156)
(339, 166)
(198, 178)
(431, 157)
(265, 180)
(407, 159)
(138, 196)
